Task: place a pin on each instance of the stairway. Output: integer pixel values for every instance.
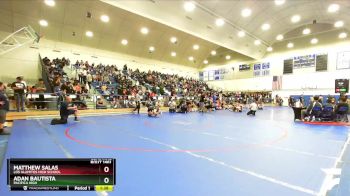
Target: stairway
(72, 72)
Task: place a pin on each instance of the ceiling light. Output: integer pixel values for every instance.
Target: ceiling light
(339, 24)
(265, 27)
(241, 34)
(50, 3)
(314, 41)
(228, 57)
(195, 47)
(342, 35)
(219, 22)
(104, 18)
(173, 54)
(306, 31)
(279, 2)
(43, 23)
(205, 62)
(279, 37)
(89, 33)
(144, 30)
(333, 8)
(269, 49)
(213, 52)
(290, 45)
(151, 48)
(124, 42)
(246, 12)
(257, 42)
(173, 40)
(191, 58)
(295, 18)
(189, 6)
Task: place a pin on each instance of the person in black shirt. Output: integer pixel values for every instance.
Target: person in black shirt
(66, 110)
(316, 102)
(40, 88)
(100, 104)
(69, 88)
(19, 90)
(311, 108)
(137, 108)
(201, 103)
(342, 115)
(4, 107)
(151, 111)
(291, 101)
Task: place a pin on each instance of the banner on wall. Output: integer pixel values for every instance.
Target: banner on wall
(218, 74)
(304, 61)
(261, 69)
(257, 70)
(265, 69)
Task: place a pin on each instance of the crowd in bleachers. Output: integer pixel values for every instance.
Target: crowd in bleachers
(126, 87)
(63, 85)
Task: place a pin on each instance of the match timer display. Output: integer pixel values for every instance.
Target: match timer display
(94, 174)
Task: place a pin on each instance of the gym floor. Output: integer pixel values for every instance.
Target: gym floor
(219, 153)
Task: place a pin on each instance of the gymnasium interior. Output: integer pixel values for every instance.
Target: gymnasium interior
(174, 97)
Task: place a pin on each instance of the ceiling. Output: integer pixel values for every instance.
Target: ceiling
(68, 16)
(167, 18)
(201, 21)
(279, 17)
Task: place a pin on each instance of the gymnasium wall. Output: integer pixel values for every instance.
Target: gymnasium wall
(53, 49)
(305, 80)
(19, 62)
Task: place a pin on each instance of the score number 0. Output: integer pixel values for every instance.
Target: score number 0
(106, 170)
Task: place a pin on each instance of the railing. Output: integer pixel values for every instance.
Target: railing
(52, 101)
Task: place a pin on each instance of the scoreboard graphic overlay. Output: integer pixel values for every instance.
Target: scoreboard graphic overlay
(341, 85)
(93, 174)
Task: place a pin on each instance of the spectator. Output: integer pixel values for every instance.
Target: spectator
(238, 107)
(76, 88)
(89, 79)
(152, 112)
(115, 103)
(342, 115)
(19, 90)
(311, 111)
(314, 103)
(137, 108)
(291, 101)
(253, 108)
(328, 110)
(172, 106)
(40, 89)
(4, 107)
(100, 104)
(298, 103)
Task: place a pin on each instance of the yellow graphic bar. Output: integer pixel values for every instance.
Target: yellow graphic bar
(100, 188)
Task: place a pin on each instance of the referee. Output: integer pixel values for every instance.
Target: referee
(66, 110)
